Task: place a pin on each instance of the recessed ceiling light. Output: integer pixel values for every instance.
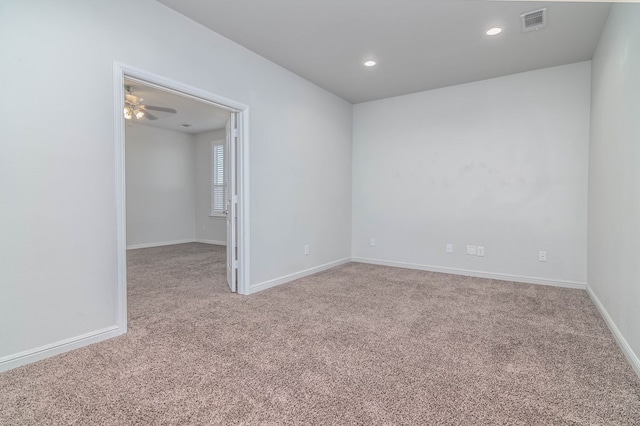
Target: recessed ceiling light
(494, 31)
(369, 63)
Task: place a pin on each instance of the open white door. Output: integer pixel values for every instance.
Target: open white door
(231, 203)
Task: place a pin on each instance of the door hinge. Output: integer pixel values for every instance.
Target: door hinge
(234, 133)
(234, 264)
(234, 198)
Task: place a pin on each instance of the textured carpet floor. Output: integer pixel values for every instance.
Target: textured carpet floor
(358, 344)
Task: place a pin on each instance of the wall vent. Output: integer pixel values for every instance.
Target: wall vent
(534, 20)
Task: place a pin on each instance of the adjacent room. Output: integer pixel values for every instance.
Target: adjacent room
(433, 207)
(176, 193)
(175, 182)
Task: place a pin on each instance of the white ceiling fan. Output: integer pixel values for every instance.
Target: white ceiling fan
(134, 108)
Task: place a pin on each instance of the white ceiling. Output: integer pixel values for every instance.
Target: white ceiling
(418, 44)
(201, 116)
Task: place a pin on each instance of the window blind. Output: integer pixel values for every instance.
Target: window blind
(218, 180)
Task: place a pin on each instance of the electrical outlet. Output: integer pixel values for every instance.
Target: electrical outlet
(449, 248)
(306, 250)
(542, 256)
(372, 243)
(471, 250)
(480, 251)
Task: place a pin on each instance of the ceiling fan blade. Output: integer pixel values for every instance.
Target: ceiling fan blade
(149, 116)
(161, 109)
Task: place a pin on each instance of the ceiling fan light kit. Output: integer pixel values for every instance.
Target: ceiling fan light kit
(131, 111)
(133, 107)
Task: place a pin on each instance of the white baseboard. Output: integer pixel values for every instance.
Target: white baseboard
(472, 273)
(622, 342)
(159, 244)
(214, 242)
(287, 278)
(66, 345)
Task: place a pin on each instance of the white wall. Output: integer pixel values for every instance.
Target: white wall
(211, 229)
(499, 163)
(614, 175)
(57, 171)
(161, 186)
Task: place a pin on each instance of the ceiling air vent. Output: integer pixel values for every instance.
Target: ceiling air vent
(534, 20)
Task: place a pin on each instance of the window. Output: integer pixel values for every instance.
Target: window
(218, 180)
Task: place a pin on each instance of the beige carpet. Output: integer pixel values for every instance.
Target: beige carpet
(358, 344)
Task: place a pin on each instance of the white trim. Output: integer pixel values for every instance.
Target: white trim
(160, 244)
(170, 243)
(214, 242)
(622, 342)
(180, 89)
(121, 198)
(243, 208)
(46, 351)
(478, 274)
(301, 274)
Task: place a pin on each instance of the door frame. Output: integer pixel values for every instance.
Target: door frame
(242, 163)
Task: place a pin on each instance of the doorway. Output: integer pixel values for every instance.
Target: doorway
(236, 159)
